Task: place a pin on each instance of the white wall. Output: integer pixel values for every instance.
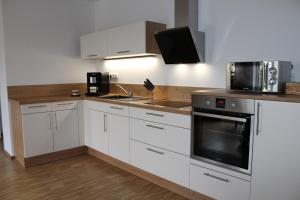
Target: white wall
(3, 92)
(236, 30)
(110, 13)
(42, 40)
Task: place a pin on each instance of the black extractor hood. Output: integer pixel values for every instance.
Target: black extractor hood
(183, 44)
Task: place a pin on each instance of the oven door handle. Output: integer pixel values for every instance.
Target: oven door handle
(220, 117)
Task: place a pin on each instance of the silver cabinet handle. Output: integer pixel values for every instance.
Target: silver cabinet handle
(258, 118)
(220, 117)
(216, 177)
(92, 55)
(50, 120)
(127, 51)
(154, 114)
(40, 106)
(55, 121)
(116, 108)
(154, 151)
(156, 127)
(105, 123)
(64, 104)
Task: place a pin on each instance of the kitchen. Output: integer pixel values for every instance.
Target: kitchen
(42, 57)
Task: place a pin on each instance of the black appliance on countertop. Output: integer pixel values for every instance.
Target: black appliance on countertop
(97, 83)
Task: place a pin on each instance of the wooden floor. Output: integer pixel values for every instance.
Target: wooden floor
(82, 177)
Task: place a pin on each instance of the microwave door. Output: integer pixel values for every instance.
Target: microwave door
(245, 76)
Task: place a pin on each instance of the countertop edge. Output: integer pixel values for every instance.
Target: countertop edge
(52, 99)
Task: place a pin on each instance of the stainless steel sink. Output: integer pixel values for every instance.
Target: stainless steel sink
(123, 97)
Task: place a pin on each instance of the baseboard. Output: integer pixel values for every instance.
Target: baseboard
(46, 158)
(178, 189)
(8, 155)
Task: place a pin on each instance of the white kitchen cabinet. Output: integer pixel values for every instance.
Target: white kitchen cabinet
(94, 45)
(166, 164)
(218, 185)
(97, 136)
(276, 160)
(65, 132)
(50, 127)
(37, 131)
(118, 129)
(107, 129)
(168, 137)
(127, 40)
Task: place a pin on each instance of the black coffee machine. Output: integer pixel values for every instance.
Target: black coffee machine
(97, 83)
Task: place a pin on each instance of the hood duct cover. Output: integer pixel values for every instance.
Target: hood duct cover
(183, 44)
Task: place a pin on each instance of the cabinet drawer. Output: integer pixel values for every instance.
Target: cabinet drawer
(218, 185)
(117, 109)
(108, 108)
(66, 105)
(173, 119)
(168, 165)
(164, 136)
(36, 108)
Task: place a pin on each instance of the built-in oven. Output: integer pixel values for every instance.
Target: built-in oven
(222, 131)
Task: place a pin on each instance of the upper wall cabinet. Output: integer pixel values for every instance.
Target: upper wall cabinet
(94, 45)
(125, 41)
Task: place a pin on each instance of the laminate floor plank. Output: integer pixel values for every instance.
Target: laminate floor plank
(78, 178)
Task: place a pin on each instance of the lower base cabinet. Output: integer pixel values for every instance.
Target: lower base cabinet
(168, 165)
(38, 136)
(218, 185)
(66, 132)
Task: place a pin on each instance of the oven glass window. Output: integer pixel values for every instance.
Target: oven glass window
(222, 140)
(245, 76)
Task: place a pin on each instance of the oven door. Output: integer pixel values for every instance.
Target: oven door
(223, 140)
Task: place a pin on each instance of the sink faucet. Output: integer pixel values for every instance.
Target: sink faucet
(128, 91)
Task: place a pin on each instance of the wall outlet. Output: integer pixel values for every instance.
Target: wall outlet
(113, 77)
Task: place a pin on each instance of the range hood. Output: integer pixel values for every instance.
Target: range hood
(183, 44)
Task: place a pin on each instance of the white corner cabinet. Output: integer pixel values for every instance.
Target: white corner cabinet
(107, 129)
(276, 160)
(127, 40)
(50, 127)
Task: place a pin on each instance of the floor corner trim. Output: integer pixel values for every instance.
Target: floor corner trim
(185, 192)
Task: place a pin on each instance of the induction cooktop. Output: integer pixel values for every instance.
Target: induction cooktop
(171, 104)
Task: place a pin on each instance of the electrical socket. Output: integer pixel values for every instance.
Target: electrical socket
(113, 77)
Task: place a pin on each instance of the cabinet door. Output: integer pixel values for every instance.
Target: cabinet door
(97, 137)
(38, 137)
(128, 39)
(118, 128)
(94, 45)
(276, 160)
(65, 130)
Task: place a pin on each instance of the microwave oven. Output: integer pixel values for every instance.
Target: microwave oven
(258, 76)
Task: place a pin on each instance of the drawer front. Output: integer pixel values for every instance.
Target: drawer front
(173, 119)
(36, 108)
(218, 185)
(168, 165)
(65, 105)
(108, 108)
(117, 109)
(160, 135)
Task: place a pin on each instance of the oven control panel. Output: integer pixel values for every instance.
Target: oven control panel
(223, 103)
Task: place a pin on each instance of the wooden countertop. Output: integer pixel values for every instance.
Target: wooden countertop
(138, 104)
(248, 95)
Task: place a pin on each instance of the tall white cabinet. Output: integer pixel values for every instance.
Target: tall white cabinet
(276, 159)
